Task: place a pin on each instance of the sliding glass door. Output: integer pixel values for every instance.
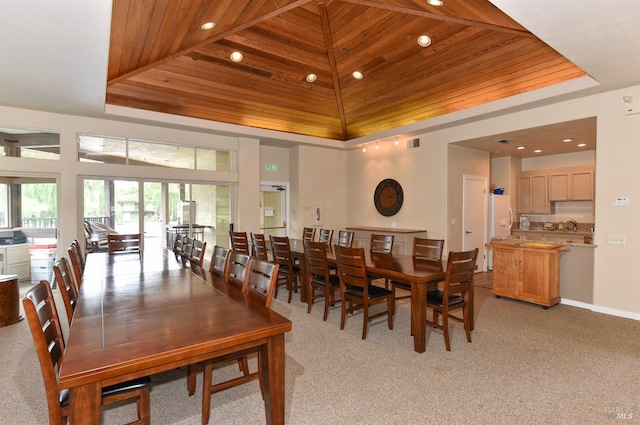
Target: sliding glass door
(159, 210)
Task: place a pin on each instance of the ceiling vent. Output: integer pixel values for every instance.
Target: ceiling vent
(413, 143)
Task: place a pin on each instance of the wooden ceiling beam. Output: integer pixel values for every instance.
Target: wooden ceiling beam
(326, 31)
(430, 15)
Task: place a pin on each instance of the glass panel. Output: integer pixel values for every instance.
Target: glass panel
(127, 206)
(4, 205)
(103, 150)
(27, 143)
(153, 223)
(273, 211)
(161, 155)
(39, 204)
(212, 160)
(212, 207)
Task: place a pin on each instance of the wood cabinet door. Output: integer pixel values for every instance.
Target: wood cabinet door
(559, 187)
(523, 204)
(534, 273)
(539, 195)
(505, 272)
(582, 186)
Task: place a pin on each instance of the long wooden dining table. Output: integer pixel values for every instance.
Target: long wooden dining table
(141, 314)
(400, 267)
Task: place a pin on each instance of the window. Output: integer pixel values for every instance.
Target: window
(28, 143)
(114, 150)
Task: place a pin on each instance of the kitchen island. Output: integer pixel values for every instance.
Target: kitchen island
(527, 271)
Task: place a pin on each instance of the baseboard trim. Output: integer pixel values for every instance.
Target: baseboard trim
(600, 309)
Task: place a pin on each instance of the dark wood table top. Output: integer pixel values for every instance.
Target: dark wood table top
(139, 315)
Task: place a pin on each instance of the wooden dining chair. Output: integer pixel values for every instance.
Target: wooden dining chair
(198, 249)
(218, 261)
(120, 243)
(259, 282)
(68, 289)
(259, 246)
(81, 254)
(308, 233)
(455, 294)
(322, 283)
(326, 236)
(382, 244)
(187, 247)
(44, 323)
(236, 268)
(76, 263)
(289, 273)
(345, 238)
(356, 290)
(424, 251)
(240, 242)
(177, 244)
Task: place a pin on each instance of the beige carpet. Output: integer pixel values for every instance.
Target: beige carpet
(526, 365)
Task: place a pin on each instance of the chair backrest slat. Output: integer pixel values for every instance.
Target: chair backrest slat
(259, 246)
(460, 269)
(308, 233)
(236, 268)
(68, 288)
(260, 278)
(239, 242)
(345, 238)
(381, 243)
(197, 252)
(122, 243)
(218, 261)
(352, 268)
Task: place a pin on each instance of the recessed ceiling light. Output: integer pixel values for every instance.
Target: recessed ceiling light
(424, 41)
(567, 140)
(435, 2)
(538, 150)
(311, 78)
(521, 147)
(364, 149)
(236, 57)
(582, 145)
(357, 75)
(207, 26)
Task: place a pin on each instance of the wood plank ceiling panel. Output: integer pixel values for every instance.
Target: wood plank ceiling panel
(160, 60)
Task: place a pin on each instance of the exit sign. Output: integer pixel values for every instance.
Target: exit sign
(272, 168)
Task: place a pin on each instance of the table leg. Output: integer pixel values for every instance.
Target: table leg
(419, 316)
(271, 358)
(85, 404)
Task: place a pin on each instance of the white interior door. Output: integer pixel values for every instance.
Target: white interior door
(474, 217)
(273, 209)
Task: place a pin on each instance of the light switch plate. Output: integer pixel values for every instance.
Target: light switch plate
(621, 201)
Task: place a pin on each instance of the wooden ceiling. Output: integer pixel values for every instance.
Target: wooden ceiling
(160, 60)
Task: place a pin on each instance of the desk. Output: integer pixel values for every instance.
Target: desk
(396, 267)
(140, 315)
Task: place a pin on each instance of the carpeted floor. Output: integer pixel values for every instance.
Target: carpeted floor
(526, 365)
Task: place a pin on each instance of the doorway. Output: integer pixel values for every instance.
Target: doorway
(474, 217)
(273, 209)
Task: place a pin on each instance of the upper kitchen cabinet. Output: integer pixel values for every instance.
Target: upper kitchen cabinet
(532, 194)
(571, 185)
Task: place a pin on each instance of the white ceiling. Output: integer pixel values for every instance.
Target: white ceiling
(53, 53)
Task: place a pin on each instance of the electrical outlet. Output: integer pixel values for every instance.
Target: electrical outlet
(616, 240)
